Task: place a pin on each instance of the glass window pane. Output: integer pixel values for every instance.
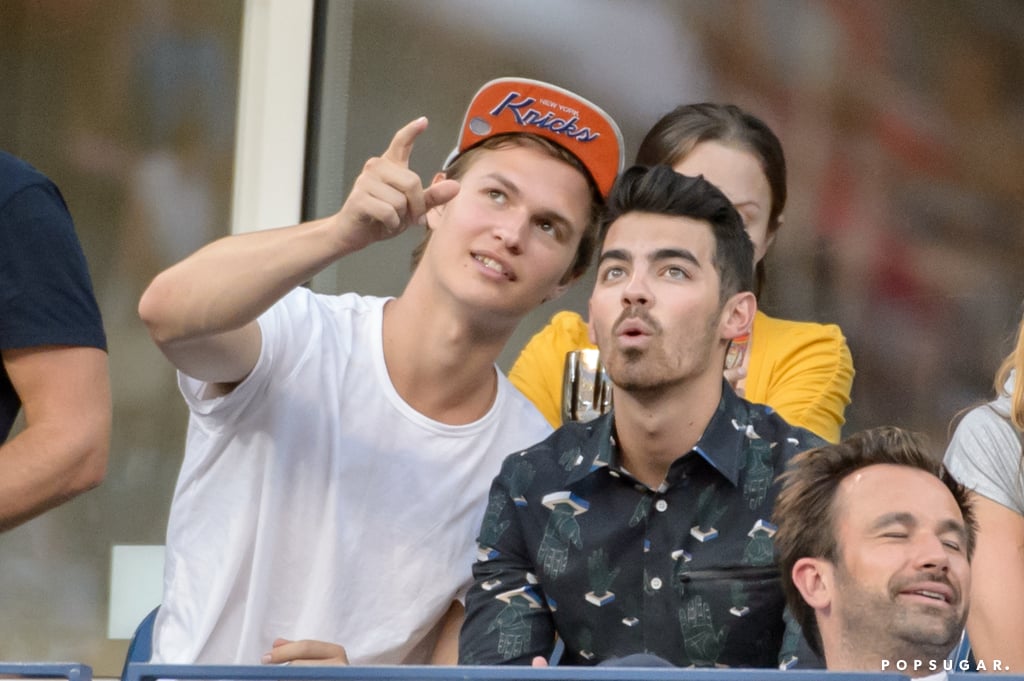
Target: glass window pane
(130, 108)
(900, 122)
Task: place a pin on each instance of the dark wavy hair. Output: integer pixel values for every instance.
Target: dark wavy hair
(663, 191)
(680, 130)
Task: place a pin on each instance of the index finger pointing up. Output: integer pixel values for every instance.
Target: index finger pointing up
(401, 144)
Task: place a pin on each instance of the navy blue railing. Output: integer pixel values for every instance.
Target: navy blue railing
(72, 671)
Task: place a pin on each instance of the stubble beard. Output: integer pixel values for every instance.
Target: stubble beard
(634, 370)
(652, 370)
(939, 627)
(881, 624)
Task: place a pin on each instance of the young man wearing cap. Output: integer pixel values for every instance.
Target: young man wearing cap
(340, 447)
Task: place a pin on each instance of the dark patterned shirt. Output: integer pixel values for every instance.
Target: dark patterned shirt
(573, 545)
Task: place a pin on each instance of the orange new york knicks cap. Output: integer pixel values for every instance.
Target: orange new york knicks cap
(521, 105)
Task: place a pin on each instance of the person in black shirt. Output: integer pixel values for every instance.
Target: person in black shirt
(648, 529)
(53, 350)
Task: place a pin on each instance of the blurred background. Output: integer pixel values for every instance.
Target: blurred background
(902, 122)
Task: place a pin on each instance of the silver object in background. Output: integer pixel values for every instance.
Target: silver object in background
(586, 389)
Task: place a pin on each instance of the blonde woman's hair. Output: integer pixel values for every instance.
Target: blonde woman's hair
(1014, 363)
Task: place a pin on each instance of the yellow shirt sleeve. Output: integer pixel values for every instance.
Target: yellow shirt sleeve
(803, 370)
(537, 372)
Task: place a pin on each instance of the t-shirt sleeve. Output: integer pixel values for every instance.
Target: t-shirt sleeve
(805, 374)
(984, 454)
(287, 334)
(46, 296)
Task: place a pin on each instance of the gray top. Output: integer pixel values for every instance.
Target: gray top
(985, 453)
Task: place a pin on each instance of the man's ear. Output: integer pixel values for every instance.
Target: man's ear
(812, 577)
(439, 209)
(738, 315)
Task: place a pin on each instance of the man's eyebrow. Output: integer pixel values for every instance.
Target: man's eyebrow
(549, 214)
(895, 518)
(506, 183)
(673, 254)
(660, 254)
(615, 254)
(908, 519)
(954, 526)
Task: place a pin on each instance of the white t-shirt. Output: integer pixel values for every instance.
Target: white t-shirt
(313, 502)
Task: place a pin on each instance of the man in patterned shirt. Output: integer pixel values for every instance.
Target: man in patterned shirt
(648, 529)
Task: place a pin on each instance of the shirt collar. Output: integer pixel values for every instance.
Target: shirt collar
(723, 444)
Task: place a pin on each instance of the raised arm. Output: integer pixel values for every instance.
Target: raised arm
(202, 312)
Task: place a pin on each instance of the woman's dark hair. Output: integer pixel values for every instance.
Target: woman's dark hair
(680, 130)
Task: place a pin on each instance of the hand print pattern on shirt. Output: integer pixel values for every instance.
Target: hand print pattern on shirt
(685, 571)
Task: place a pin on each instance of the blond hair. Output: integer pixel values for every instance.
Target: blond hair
(1014, 364)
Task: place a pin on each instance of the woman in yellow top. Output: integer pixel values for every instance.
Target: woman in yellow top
(802, 369)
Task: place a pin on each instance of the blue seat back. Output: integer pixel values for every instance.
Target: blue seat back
(141, 647)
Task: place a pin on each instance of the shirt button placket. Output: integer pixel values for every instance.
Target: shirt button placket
(654, 584)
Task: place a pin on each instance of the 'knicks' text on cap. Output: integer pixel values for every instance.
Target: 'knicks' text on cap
(546, 121)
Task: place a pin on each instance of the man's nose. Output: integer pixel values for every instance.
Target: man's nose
(932, 552)
(636, 291)
(511, 229)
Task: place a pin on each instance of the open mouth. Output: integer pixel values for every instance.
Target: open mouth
(635, 322)
(494, 266)
(633, 330)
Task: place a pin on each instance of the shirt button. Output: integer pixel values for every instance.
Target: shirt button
(656, 583)
(661, 505)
